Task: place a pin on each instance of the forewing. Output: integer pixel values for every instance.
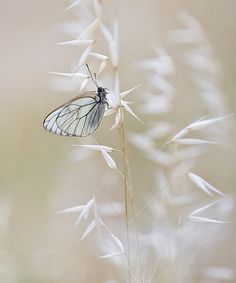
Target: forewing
(78, 117)
(72, 117)
(50, 124)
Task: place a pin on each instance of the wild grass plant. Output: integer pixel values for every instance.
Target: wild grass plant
(169, 217)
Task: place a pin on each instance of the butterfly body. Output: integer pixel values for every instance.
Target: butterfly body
(80, 116)
(101, 96)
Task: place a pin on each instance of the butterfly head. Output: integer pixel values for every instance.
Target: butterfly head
(100, 89)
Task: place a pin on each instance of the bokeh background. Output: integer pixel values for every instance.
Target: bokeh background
(39, 172)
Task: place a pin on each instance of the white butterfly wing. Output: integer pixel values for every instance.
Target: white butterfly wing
(90, 122)
(79, 117)
(50, 124)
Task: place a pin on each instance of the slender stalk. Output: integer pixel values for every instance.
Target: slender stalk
(126, 193)
(127, 180)
(129, 193)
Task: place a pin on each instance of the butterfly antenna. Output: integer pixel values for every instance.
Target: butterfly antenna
(95, 77)
(91, 76)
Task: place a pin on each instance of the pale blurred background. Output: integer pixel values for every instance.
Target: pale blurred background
(38, 177)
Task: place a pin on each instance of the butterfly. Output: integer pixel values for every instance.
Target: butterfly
(80, 116)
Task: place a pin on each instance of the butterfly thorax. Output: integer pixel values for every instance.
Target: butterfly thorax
(101, 95)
